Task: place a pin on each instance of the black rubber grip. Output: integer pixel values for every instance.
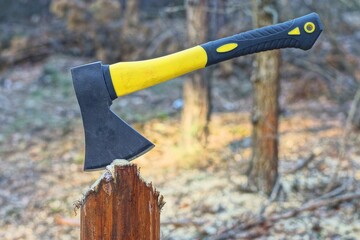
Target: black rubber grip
(300, 33)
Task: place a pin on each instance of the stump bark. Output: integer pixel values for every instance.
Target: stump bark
(120, 205)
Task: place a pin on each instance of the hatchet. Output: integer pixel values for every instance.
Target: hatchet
(108, 137)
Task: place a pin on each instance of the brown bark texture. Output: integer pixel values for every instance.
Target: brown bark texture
(131, 14)
(196, 112)
(264, 165)
(121, 206)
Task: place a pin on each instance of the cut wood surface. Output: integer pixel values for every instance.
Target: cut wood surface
(120, 205)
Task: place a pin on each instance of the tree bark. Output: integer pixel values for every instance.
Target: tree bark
(120, 205)
(264, 164)
(196, 112)
(131, 14)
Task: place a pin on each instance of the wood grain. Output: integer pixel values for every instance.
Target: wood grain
(121, 206)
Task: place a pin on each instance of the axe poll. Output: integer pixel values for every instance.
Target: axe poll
(96, 85)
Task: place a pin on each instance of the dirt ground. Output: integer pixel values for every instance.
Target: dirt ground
(41, 161)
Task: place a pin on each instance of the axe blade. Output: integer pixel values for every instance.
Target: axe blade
(107, 137)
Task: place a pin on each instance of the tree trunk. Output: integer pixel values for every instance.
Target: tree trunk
(131, 14)
(196, 112)
(264, 165)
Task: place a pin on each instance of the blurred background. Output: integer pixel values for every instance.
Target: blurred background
(262, 146)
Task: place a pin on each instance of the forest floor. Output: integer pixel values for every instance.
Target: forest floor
(41, 161)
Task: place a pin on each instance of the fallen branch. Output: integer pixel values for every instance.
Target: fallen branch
(301, 165)
(337, 191)
(312, 205)
(267, 222)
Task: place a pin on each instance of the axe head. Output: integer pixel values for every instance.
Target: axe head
(107, 137)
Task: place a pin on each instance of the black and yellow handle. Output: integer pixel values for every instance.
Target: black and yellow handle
(128, 77)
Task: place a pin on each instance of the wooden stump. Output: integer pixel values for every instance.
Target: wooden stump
(120, 205)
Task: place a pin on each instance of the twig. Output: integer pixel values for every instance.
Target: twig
(337, 191)
(301, 165)
(274, 193)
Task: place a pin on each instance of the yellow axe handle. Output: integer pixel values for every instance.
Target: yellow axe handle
(302, 32)
(128, 77)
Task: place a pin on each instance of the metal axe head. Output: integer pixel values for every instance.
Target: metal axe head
(107, 137)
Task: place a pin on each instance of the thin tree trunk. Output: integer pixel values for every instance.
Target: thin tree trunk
(196, 112)
(264, 165)
(123, 6)
(131, 14)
